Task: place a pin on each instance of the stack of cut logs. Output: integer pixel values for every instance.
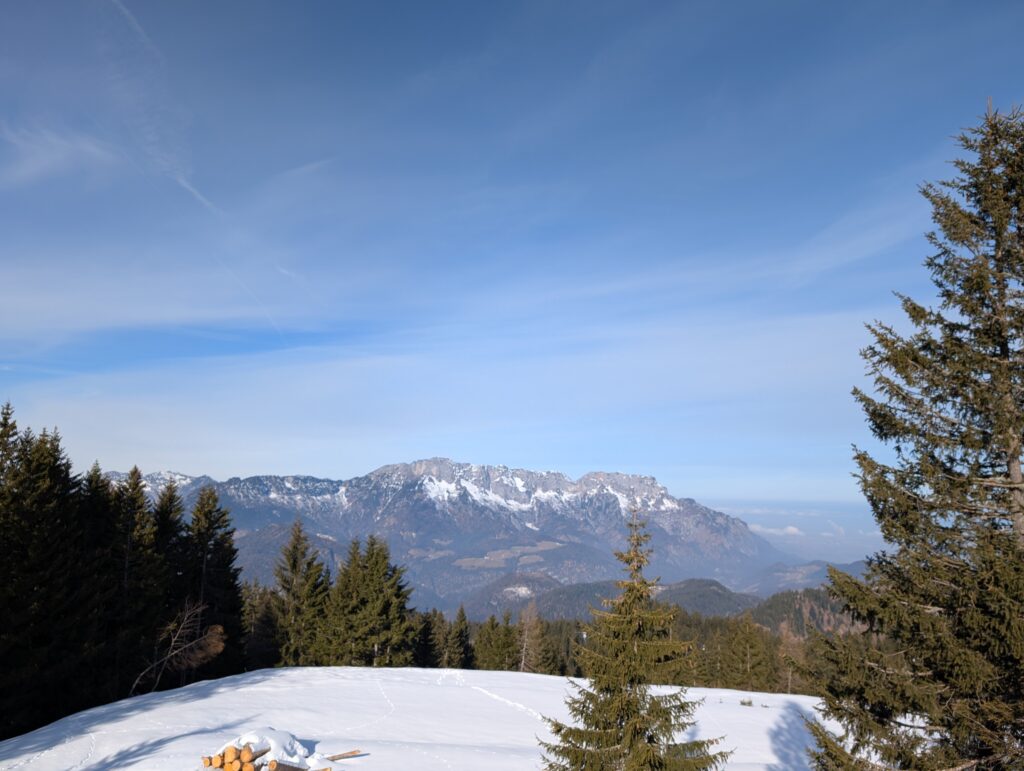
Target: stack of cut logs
(245, 758)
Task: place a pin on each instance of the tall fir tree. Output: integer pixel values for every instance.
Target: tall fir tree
(171, 542)
(386, 611)
(214, 581)
(99, 517)
(507, 642)
(8, 439)
(458, 652)
(46, 613)
(369, 622)
(302, 585)
(139, 606)
(484, 645)
(620, 725)
(439, 627)
(260, 625)
(750, 657)
(947, 593)
(424, 652)
(496, 644)
(342, 636)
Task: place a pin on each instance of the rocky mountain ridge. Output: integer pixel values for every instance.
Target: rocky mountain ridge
(458, 526)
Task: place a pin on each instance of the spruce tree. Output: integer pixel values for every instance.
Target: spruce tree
(386, 613)
(141, 591)
(424, 652)
(947, 593)
(343, 634)
(369, 622)
(439, 627)
(99, 518)
(458, 653)
(214, 581)
(171, 543)
(260, 626)
(620, 725)
(507, 642)
(302, 586)
(496, 645)
(45, 615)
(8, 440)
(750, 656)
(484, 644)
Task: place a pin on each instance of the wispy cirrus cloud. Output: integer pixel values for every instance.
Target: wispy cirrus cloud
(31, 155)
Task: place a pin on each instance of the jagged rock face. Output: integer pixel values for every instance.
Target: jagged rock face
(458, 526)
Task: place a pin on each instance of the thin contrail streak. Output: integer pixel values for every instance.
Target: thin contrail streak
(191, 190)
(176, 173)
(139, 31)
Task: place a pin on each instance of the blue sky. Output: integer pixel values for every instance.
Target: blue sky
(247, 238)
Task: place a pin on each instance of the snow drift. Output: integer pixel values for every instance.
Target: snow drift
(400, 719)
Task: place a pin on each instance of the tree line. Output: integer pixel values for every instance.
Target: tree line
(102, 593)
(361, 617)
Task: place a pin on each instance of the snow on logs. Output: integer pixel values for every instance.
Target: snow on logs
(233, 758)
(262, 753)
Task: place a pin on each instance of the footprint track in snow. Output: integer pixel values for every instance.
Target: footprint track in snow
(514, 704)
(454, 674)
(373, 721)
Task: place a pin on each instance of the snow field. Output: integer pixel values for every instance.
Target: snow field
(450, 720)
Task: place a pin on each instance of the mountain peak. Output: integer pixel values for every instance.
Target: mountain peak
(457, 526)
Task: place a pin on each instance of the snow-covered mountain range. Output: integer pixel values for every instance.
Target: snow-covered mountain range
(458, 526)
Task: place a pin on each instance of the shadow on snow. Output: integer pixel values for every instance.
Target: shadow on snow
(50, 736)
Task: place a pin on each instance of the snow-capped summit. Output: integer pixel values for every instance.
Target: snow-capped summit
(458, 526)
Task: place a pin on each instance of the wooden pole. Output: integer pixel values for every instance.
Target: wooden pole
(230, 753)
(217, 761)
(343, 755)
(207, 760)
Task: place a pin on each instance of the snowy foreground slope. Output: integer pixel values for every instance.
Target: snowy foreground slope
(400, 718)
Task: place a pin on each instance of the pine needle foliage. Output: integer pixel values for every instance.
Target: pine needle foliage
(946, 596)
(619, 723)
(368, 620)
(302, 586)
(458, 653)
(214, 581)
(492, 648)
